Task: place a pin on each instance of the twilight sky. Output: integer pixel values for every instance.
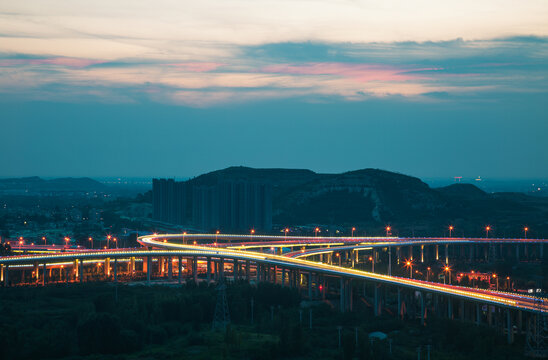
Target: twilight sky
(176, 88)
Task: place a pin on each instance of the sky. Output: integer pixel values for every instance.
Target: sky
(177, 88)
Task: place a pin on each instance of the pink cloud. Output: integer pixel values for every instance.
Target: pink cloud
(60, 61)
(357, 72)
(198, 66)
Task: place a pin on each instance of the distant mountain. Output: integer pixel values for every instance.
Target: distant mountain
(36, 184)
(373, 196)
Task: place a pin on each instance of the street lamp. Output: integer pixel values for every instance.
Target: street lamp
(108, 241)
(428, 273)
(409, 264)
(353, 229)
(316, 231)
(116, 241)
(388, 228)
(450, 230)
(525, 229)
(184, 233)
(216, 235)
(67, 239)
(487, 228)
(447, 270)
(252, 232)
(91, 239)
(286, 231)
(44, 238)
(497, 280)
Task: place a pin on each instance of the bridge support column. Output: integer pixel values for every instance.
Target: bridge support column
(80, 273)
(132, 265)
(353, 258)
(376, 300)
(437, 253)
(283, 277)
(423, 322)
(148, 268)
(449, 308)
(309, 280)
(446, 254)
(170, 268)
(115, 269)
(411, 252)
(222, 268)
(195, 268)
(517, 252)
(398, 255)
(341, 294)
(247, 270)
(373, 258)
(462, 315)
(389, 261)
(107, 267)
(36, 271)
(6, 275)
(235, 270)
(400, 314)
(180, 269)
(208, 269)
(509, 327)
(478, 315)
(45, 273)
(422, 253)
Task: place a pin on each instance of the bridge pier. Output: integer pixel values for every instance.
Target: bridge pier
(437, 253)
(449, 308)
(309, 281)
(45, 273)
(147, 266)
(398, 255)
(422, 253)
(446, 254)
(283, 277)
(341, 293)
(376, 300)
(169, 268)
(115, 270)
(180, 269)
(509, 328)
(478, 314)
(6, 275)
(411, 252)
(247, 270)
(389, 261)
(423, 310)
(195, 269)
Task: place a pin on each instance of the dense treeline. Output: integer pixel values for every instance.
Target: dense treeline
(98, 321)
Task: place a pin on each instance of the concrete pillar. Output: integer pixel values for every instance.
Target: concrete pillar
(170, 268)
(342, 294)
(208, 269)
(222, 268)
(422, 309)
(353, 259)
(195, 268)
(376, 300)
(449, 308)
(6, 275)
(446, 254)
(437, 253)
(399, 303)
(132, 265)
(148, 268)
(373, 258)
(247, 270)
(478, 314)
(510, 335)
(180, 269)
(235, 270)
(309, 280)
(2, 273)
(422, 253)
(45, 273)
(461, 311)
(410, 252)
(107, 267)
(389, 261)
(398, 255)
(36, 270)
(80, 273)
(115, 269)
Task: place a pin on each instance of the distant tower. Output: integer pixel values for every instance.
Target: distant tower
(222, 317)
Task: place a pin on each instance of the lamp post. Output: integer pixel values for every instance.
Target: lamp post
(44, 238)
(353, 229)
(116, 241)
(409, 264)
(184, 233)
(252, 232)
(428, 273)
(216, 235)
(447, 270)
(316, 231)
(388, 228)
(451, 230)
(285, 233)
(487, 228)
(91, 239)
(108, 241)
(525, 229)
(496, 278)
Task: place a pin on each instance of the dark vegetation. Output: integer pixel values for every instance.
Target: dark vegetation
(100, 321)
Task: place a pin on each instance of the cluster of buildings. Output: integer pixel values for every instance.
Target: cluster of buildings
(234, 205)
